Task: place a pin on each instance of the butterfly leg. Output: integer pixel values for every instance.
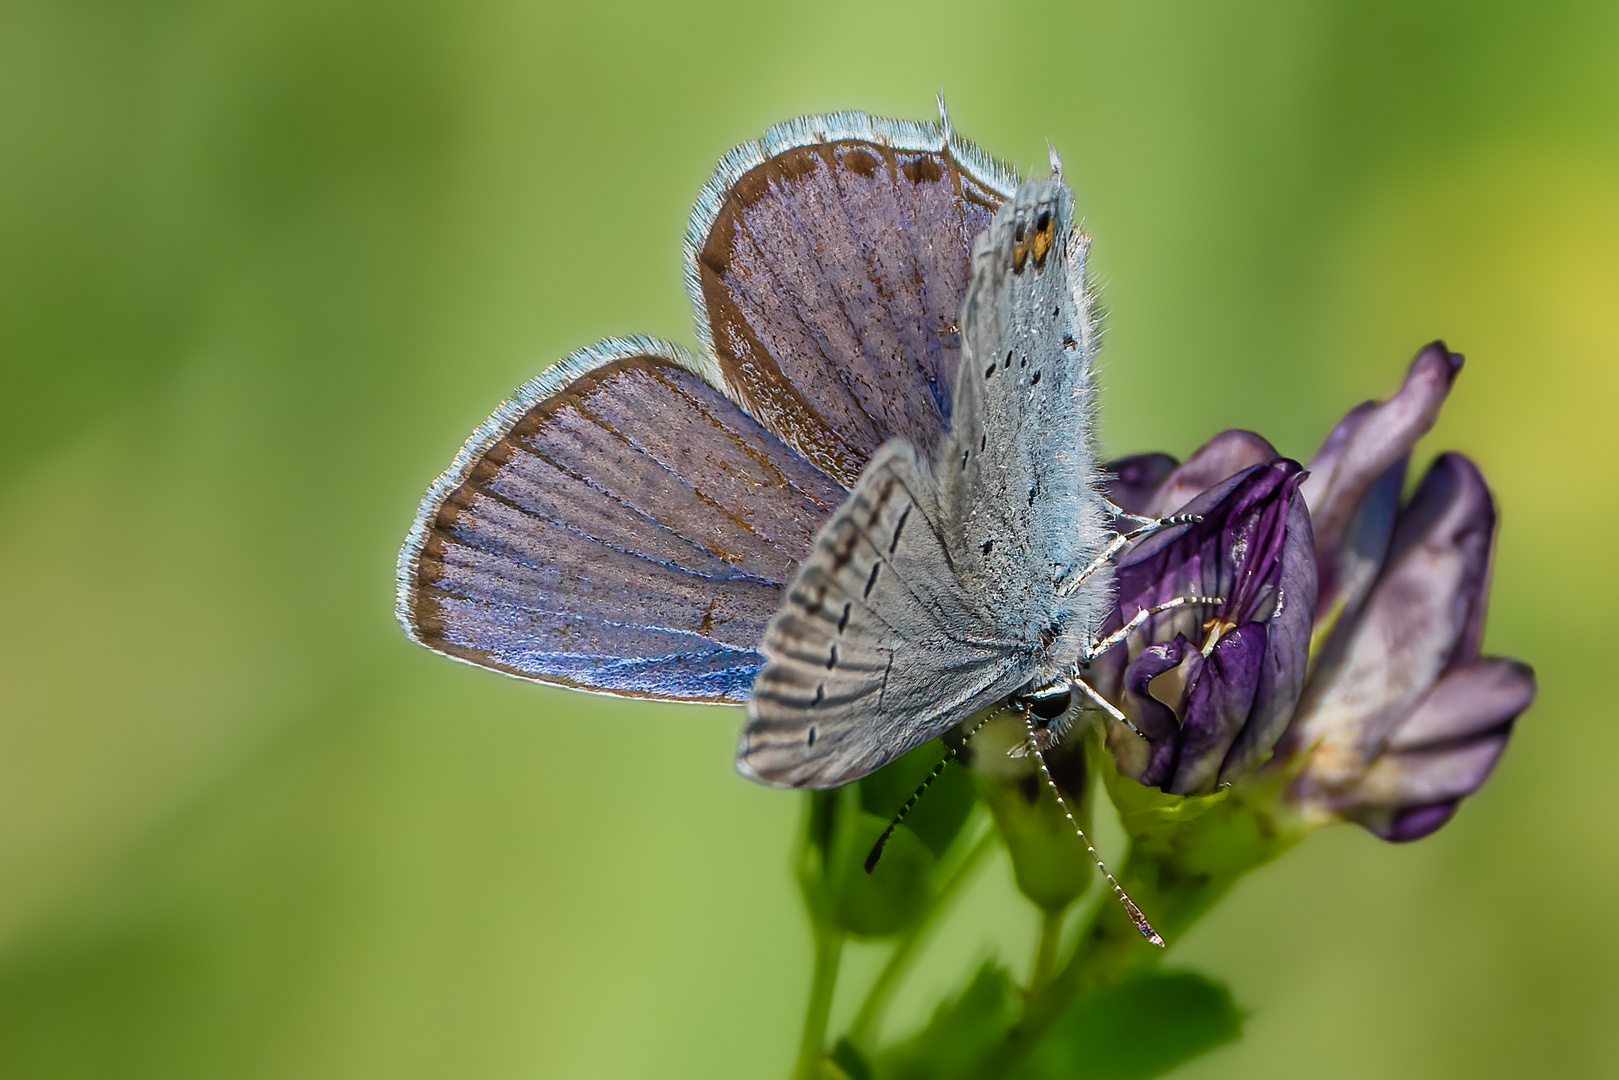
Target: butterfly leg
(1097, 648)
(1106, 706)
(1119, 542)
(1118, 511)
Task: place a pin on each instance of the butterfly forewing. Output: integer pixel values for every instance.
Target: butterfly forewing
(628, 521)
(829, 261)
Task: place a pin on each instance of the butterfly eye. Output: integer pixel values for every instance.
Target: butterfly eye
(1047, 702)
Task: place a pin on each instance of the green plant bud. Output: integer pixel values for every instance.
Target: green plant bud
(1049, 860)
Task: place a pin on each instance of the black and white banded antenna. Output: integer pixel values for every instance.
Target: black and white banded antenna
(950, 754)
(1033, 747)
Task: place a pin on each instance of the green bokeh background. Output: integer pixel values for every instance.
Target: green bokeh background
(263, 265)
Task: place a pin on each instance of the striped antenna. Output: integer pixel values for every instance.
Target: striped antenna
(950, 754)
(1118, 890)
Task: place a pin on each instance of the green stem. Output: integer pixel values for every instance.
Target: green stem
(1110, 949)
(1045, 950)
(867, 1021)
(812, 1045)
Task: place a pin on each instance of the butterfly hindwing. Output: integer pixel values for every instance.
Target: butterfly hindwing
(873, 651)
(619, 525)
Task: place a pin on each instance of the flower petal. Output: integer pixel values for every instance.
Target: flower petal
(1286, 665)
(1239, 664)
(1152, 760)
(1416, 625)
(1421, 777)
(1467, 702)
(1235, 553)
(1444, 752)
(1218, 708)
(1347, 572)
(1413, 823)
(1369, 443)
(1222, 457)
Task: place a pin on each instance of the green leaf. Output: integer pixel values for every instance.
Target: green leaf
(849, 1060)
(961, 1032)
(895, 893)
(1142, 1027)
(843, 825)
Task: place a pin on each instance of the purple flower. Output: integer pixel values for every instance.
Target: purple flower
(1347, 639)
(1212, 685)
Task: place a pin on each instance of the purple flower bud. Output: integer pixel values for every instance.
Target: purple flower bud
(1402, 717)
(1212, 685)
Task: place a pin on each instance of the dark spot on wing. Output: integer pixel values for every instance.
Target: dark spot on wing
(1042, 239)
(861, 161)
(810, 741)
(989, 371)
(965, 454)
(898, 525)
(922, 170)
(983, 441)
(1068, 342)
(1036, 380)
(985, 546)
(832, 658)
(872, 580)
(841, 558)
(820, 696)
(843, 620)
(1008, 359)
